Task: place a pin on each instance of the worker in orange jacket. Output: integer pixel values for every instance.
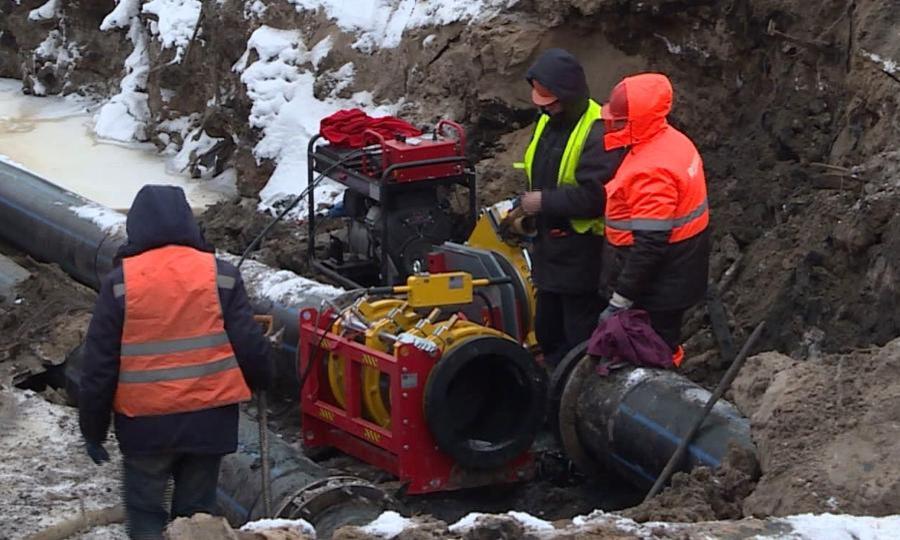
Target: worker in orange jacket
(172, 348)
(657, 214)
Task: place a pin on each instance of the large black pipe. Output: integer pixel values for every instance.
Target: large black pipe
(39, 218)
(300, 487)
(632, 420)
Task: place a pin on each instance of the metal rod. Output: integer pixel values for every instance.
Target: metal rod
(720, 389)
(263, 407)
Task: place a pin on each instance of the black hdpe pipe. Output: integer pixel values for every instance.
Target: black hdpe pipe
(37, 217)
(301, 489)
(633, 420)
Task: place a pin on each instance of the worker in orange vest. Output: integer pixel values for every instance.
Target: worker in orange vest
(172, 348)
(657, 214)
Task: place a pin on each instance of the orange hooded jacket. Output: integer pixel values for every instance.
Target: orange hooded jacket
(660, 185)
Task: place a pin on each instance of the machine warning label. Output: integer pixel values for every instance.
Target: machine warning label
(409, 380)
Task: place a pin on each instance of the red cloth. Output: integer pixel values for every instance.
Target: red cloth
(345, 128)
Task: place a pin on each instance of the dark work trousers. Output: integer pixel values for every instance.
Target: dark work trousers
(668, 325)
(146, 478)
(564, 320)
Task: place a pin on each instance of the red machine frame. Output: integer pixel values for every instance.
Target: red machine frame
(406, 450)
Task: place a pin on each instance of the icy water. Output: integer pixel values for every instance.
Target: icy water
(53, 137)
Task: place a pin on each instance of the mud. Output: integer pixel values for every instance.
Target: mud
(827, 432)
(42, 324)
(703, 494)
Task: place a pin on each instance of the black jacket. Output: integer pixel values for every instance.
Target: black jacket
(160, 216)
(564, 261)
(657, 275)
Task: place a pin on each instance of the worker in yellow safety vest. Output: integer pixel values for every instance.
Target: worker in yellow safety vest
(566, 167)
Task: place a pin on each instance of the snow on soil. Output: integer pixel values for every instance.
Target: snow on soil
(380, 23)
(175, 24)
(387, 525)
(529, 522)
(124, 117)
(46, 476)
(48, 10)
(842, 527)
(298, 525)
(280, 83)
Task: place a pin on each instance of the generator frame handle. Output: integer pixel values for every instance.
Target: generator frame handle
(460, 132)
(372, 135)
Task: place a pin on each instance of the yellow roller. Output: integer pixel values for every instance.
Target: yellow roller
(394, 317)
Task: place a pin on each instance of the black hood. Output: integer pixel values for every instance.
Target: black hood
(562, 74)
(161, 216)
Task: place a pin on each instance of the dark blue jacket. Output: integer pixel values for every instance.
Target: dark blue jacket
(160, 216)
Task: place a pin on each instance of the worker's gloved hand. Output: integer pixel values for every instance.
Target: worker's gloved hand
(616, 303)
(98, 454)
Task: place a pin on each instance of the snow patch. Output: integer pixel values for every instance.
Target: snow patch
(121, 15)
(175, 24)
(287, 111)
(380, 23)
(256, 9)
(56, 53)
(124, 117)
(672, 47)
(298, 525)
(46, 475)
(107, 219)
(886, 64)
(387, 525)
(529, 522)
(49, 10)
(842, 527)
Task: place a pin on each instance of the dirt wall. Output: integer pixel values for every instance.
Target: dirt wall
(793, 105)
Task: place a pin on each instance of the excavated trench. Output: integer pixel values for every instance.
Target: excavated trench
(794, 106)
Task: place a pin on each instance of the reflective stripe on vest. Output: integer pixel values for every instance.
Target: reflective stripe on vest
(175, 354)
(224, 282)
(648, 224)
(570, 158)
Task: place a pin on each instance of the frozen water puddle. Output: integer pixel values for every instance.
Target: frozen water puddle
(53, 137)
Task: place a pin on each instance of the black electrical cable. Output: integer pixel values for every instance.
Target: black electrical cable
(487, 302)
(296, 201)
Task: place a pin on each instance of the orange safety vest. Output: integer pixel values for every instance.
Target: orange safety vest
(660, 185)
(175, 353)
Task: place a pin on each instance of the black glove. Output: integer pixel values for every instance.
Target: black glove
(616, 303)
(98, 454)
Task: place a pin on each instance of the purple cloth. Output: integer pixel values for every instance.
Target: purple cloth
(627, 337)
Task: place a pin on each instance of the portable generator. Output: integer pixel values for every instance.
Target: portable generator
(395, 206)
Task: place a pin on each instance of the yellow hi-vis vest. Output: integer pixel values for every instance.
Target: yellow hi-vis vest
(570, 158)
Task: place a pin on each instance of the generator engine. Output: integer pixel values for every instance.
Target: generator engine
(395, 206)
(417, 221)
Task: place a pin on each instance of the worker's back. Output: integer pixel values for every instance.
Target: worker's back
(172, 348)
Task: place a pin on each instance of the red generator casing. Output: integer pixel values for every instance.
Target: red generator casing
(406, 449)
(439, 155)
